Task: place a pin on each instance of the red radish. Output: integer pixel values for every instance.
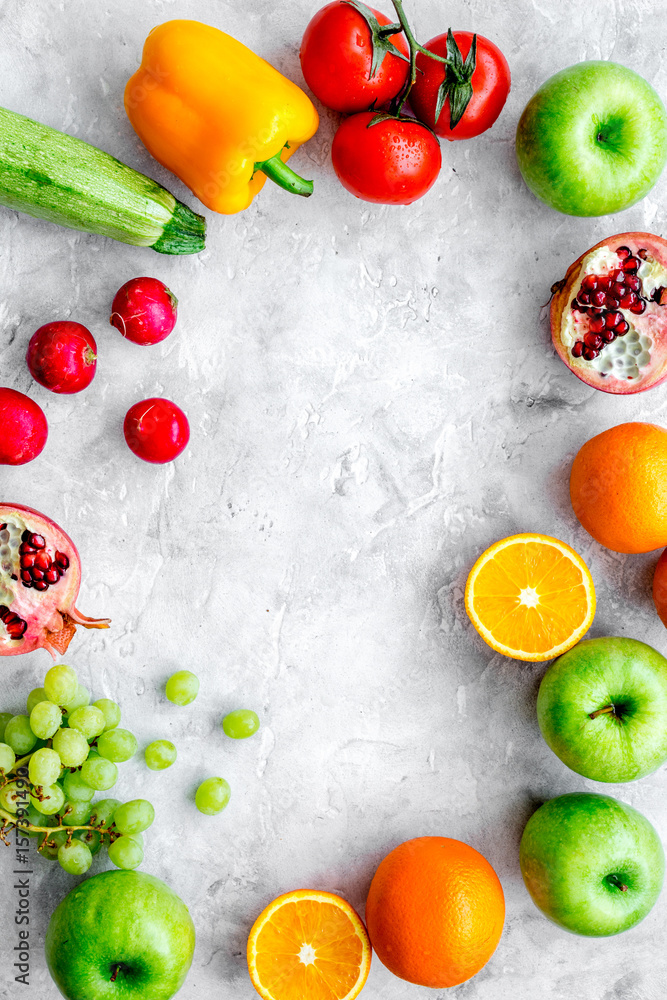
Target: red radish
(37, 607)
(156, 430)
(144, 310)
(23, 428)
(62, 356)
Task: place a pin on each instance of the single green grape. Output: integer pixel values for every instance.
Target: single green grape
(240, 724)
(14, 795)
(212, 796)
(50, 800)
(103, 812)
(76, 789)
(91, 838)
(80, 699)
(7, 757)
(45, 719)
(75, 857)
(44, 767)
(126, 853)
(19, 736)
(182, 687)
(99, 773)
(111, 711)
(88, 720)
(76, 813)
(137, 837)
(117, 745)
(160, 754)
(34, 698)
(72, 747)
(134, 816)
(60, 684)
(51, 843)
(4, 719)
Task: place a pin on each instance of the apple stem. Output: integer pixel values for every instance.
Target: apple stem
(607, 710)
(115, 973)
(615, 881)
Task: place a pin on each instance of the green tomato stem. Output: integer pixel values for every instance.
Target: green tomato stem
(415, 47)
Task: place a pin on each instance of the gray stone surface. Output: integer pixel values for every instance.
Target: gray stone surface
(373, 400)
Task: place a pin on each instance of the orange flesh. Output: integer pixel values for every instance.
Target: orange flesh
(309, 948)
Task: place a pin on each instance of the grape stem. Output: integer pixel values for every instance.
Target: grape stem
(11, 822)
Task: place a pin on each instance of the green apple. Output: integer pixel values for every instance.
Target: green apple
(593, 139)
(120, 934)
(602, 708)
(592, 864)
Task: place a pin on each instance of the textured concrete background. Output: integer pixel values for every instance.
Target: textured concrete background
(373, 400)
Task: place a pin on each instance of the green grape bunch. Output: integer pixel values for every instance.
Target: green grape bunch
(53, 760)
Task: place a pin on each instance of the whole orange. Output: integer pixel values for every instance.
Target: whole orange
(618, 487)
(435, 911)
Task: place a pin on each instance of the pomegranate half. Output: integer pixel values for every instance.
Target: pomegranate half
(40, 576)
(608, 315)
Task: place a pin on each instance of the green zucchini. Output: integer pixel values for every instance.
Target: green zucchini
(51, 175)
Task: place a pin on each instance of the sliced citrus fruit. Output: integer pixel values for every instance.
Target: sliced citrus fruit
(530, 597)
(309, 944)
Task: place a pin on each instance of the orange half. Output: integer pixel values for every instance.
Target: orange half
(309, 944)
(531, 597)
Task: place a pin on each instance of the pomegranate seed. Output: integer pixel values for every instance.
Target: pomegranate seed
(596, 324)
(26, 584)
(3, 526)
(52, 575)
(589, 282)
(608, 336)
(42, 560)
(584, 298)
(598, 298)
(621, 328)
(593, 340)
(612, 319)
(37, 541)
(618, 274)
(40, 584)
(25, 575)
(25, 549)
(639, 307)
(62, 560)
(630, 264)
(612, 302)
(590, 354)
(628, 300)
(633, 282)
(619, 290)
(577, 349)
(28, 560)
(624, 252)
(37, 574)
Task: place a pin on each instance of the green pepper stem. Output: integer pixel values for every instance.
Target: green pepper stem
(283, 175)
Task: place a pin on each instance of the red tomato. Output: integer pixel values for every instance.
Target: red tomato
(337, 57)
(391, 163)
(490, 84)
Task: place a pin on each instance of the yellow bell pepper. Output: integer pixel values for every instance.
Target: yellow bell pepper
(217, 115)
